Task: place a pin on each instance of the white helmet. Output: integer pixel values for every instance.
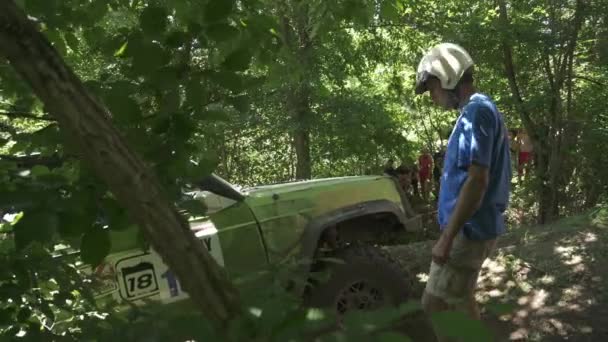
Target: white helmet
(446, 61)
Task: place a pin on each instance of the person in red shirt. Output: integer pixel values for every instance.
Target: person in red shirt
(425, 165)
(526, 153)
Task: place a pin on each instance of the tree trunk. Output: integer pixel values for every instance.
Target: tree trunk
(297, 41)
(85, 123)
(549, 205)
(301, 137)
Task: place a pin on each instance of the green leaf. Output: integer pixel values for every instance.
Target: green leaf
(194, 207)
(165, 78)
(8, 165)
(240, 103)
(47, 8)
(389, 10)
(5, 227)
(6, 315)
(95, 246)
(98, 9)
(121, 51)
(238, 60)
(149, 58)
(196, 94)
(52, 180)
(161, 125)
(72, 41)
(176, 39)
(123, 107)
(170, 102)
(47, 311)
(57, 41)
(93, 35)
(40, 170)
(147, 55)
(194, 27)
(221, 32)
(459, 325)
(215, 114)
(117, 216)
(218, 10)
(500, 309)
(73, 224)
(228, 80)
(24, 314)
(182, 126)
(39, 225)
(153, 20)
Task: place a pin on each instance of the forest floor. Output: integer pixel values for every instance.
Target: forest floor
(553, 279)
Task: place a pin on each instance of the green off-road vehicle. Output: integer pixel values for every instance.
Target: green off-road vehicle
(344, 218)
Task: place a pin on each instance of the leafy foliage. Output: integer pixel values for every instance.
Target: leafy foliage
(235, 87)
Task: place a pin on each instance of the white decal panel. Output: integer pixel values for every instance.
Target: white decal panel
(145, 275)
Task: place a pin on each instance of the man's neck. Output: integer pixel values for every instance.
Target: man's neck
(464, 95)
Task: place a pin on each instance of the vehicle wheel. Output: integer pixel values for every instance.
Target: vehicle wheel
(369, 279)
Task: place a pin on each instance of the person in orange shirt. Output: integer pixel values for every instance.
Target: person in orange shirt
(425, 165)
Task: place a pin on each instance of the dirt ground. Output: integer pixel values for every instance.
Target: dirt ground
(551, 282)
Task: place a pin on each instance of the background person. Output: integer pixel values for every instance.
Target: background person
(525, 155)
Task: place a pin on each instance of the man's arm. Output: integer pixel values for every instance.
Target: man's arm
(469, 199)
(468, 202)
(475, 155)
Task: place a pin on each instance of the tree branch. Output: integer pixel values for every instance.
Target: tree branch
(588, 79)
(578, 22)
(27, 162)
(26, 115)
(547, 65)
(379, 26)
(510, 71)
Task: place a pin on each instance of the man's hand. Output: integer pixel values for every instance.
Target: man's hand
(441, 250)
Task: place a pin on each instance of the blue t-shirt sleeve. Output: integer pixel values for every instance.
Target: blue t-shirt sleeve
(475, 143)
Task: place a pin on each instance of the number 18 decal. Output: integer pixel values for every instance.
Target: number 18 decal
(140, 280)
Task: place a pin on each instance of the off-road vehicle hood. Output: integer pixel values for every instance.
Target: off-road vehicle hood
(271, 190)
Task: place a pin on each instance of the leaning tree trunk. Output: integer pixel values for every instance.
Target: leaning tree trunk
(86, 123)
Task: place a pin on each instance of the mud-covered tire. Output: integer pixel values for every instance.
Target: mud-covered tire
(368, 279)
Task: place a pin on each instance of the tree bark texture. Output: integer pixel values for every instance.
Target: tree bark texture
(295, 27)
(86, 123)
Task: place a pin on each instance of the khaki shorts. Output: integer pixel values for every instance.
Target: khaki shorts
(455, 281)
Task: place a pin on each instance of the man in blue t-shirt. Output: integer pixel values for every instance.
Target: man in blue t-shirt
(475, 181)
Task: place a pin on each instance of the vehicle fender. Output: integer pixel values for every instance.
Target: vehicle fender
(315, 227)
